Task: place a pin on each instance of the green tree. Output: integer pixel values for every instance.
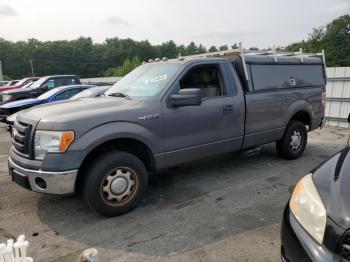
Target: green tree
(127, 66)
(191, 49)
(253, 49)
(169, 49)
(213, 49)
(334, 38)
(223, 47)
(181, 50)
(235, 46)
(6, 78)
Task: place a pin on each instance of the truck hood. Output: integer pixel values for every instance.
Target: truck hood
(23, 102)
(332, 180)
(86, 113)
(18, 91)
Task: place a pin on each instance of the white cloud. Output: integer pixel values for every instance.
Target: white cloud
(6, 10)
(115, 20)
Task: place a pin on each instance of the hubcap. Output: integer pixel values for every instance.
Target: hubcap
(119, 186)
(295, 140)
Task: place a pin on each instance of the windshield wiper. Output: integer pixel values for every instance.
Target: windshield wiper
(118, 94)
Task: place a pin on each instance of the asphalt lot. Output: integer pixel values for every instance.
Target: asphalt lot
(227, 208)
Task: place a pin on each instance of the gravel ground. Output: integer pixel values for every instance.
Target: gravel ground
(227, 208)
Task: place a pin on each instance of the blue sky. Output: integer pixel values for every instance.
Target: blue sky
(259, 23)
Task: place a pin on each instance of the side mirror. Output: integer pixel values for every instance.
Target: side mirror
(349, 118)
(44, 87)
(187, 97)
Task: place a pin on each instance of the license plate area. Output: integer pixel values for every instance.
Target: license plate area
(19, 179)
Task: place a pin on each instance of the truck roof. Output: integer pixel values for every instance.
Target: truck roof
(251, 59)
(61, 76)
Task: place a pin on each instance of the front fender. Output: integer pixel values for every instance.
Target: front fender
(114, 130)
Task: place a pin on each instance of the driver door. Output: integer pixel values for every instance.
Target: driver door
(215, 126)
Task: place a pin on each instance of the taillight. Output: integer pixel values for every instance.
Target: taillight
(324, 99)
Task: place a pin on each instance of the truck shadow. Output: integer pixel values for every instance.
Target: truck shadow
(186, 207)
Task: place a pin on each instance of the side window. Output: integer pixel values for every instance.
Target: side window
(73, 92)
(60, 82)
(67, 94)
(70, 81)
(207, 78)
(266, 77)
(51, 84)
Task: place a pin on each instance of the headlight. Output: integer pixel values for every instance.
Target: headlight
(51, 142)
(6, 98)
(308, 208)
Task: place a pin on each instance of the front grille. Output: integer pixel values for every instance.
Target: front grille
(21, 138)
(344, 248)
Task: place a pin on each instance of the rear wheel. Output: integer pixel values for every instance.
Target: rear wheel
(294, 141)
(115, 183)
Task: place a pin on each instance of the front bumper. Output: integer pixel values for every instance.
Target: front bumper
(58, 183)
(298, 245)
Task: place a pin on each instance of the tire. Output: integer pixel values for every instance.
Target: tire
(114, 183)
(289, 149)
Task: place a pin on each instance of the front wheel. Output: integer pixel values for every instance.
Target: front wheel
(115, 183)
(294, 141)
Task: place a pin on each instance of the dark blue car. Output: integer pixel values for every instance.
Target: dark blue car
(54, 95)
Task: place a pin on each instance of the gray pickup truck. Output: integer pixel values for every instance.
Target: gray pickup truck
(162, 114)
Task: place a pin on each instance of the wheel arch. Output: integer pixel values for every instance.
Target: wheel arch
(300, 111)
(302, 116)
(125, 144)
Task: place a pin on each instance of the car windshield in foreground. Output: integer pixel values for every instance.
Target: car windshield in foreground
(145, 81)
(93, 92)
(84, 94)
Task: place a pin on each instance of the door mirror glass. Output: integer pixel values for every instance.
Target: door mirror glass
(187, 97)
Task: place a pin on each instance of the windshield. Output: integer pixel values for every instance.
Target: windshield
(28, 85)
(21, 82)
(39, 82)
(48, 94)
(86, 93)
(145, 81)
(12, 83)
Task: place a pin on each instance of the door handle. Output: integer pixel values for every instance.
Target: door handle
(227, 109)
